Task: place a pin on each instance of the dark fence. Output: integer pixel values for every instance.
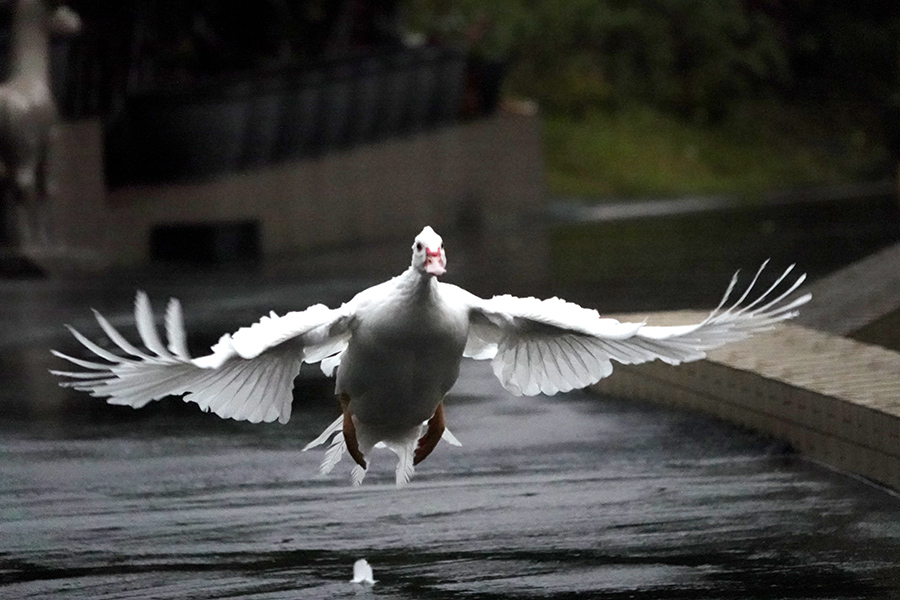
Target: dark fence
(241, 122)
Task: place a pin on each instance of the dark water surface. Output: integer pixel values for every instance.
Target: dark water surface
(574, 496)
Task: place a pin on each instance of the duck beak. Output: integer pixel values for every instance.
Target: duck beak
(434, 262)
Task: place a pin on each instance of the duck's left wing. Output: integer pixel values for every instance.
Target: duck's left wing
(549, 346)
(248, 375)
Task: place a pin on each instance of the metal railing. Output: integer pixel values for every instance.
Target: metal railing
(244, 121)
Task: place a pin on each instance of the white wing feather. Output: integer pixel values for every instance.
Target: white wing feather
(248, 376)
(549, 346)
(175, 330)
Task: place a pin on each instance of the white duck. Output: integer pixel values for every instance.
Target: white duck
(397, 347)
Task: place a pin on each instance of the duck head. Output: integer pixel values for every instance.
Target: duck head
(428, 253)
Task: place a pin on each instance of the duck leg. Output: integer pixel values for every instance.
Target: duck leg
(350, 432)
(432, 435)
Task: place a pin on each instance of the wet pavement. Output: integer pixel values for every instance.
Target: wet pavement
(574, 496)
(546, 498)
(567, 497)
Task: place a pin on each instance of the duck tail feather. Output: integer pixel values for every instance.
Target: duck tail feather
(357, 475)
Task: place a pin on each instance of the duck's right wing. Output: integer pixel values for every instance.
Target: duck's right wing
(549, 346)
(248, 376)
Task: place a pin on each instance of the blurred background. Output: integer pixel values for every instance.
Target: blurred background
(204, 132)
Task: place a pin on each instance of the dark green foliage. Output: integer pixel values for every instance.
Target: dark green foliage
(662, 97)
(845, 47)
(700, 58)
(695, 57)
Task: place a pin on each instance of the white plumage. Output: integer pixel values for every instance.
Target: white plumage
(396, 348)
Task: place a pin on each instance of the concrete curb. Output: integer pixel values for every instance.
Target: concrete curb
(833, 399)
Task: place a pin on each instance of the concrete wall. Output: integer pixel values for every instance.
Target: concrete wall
(491, 166)
(833, 399)
(79, 213)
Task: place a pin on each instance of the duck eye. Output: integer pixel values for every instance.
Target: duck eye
(418, 246)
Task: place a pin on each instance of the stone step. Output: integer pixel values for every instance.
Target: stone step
(834, 399)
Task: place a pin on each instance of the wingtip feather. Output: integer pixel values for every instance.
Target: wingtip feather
(175, 330)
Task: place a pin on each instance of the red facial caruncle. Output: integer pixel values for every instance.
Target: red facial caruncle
(435, 263)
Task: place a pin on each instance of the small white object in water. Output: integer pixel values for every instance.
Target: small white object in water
(362, 572)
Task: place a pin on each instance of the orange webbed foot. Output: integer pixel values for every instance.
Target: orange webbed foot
(349, 430)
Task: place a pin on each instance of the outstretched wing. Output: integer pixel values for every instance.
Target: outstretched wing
(549, 346)
(248, 376)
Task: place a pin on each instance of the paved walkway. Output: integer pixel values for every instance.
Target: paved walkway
(855, 296)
